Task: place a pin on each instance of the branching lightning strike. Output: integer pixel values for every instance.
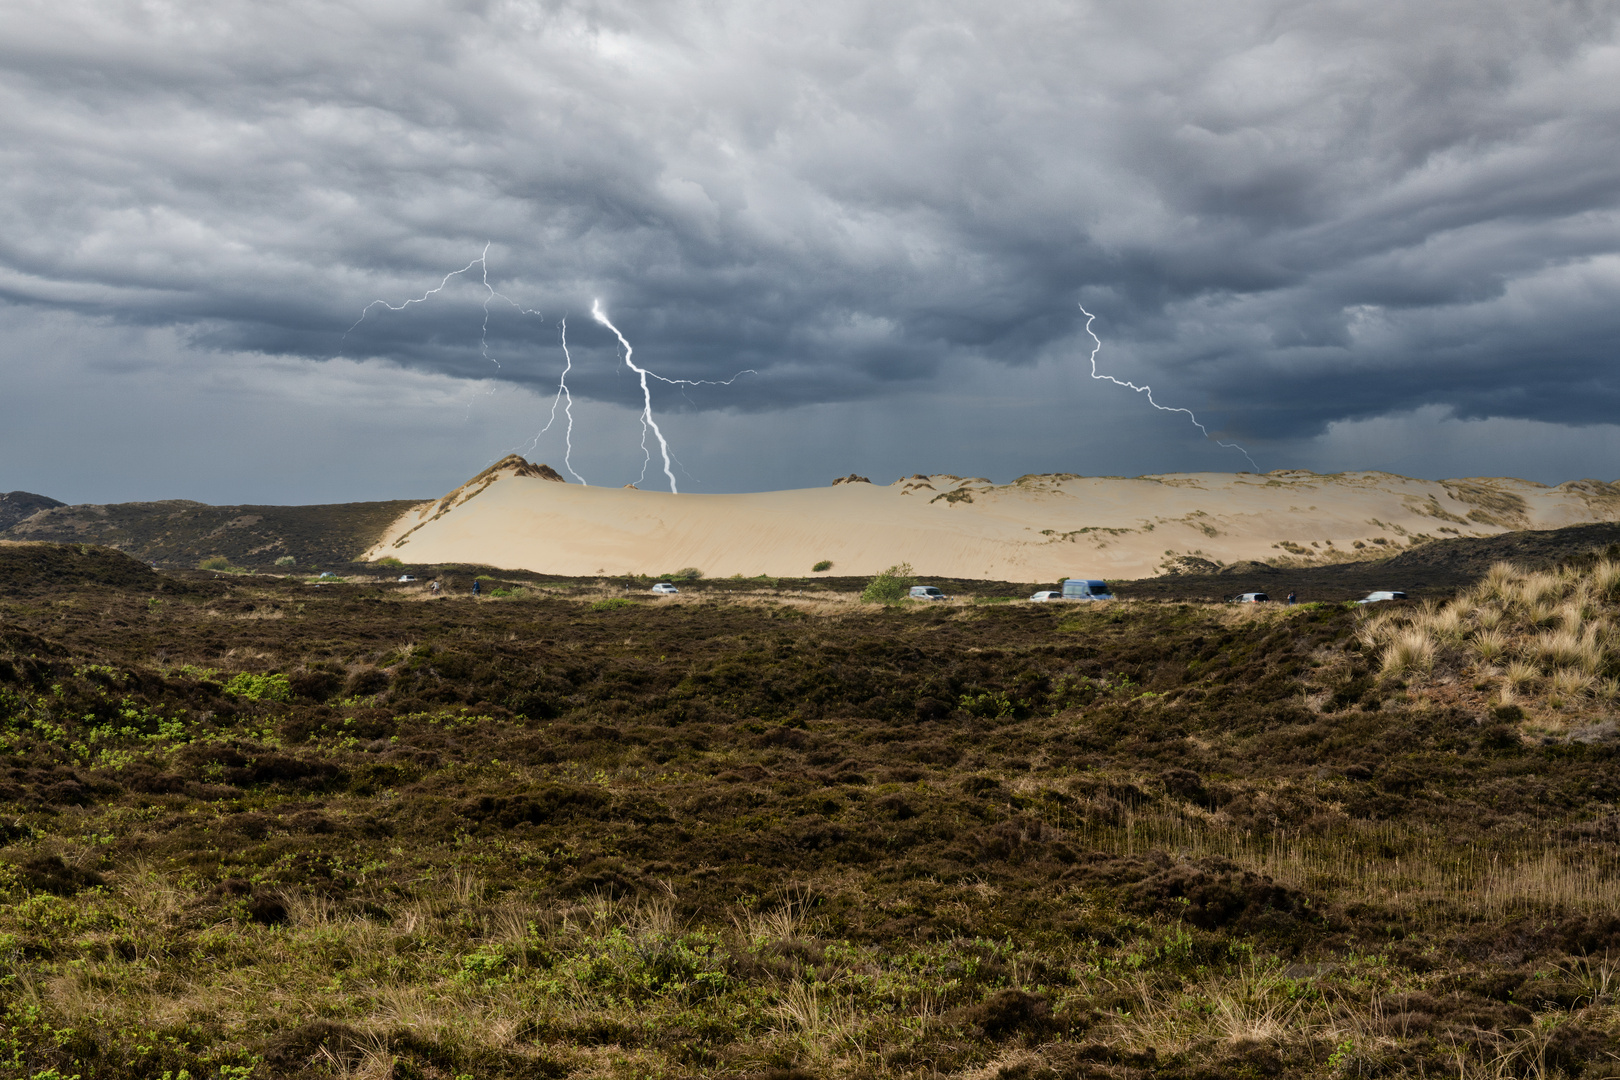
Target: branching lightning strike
(1148, 391)
(568, 411)
(563, 395)
(647, 420)
(490, 294)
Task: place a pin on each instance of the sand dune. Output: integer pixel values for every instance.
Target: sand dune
(1038, 528)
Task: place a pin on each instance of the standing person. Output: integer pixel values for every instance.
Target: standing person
(477, 586)
(1293, 598)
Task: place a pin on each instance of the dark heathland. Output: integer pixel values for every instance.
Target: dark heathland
(255, 826)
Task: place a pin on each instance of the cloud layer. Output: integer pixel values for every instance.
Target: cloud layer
(1289, 217)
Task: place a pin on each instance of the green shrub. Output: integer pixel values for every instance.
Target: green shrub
(389, 561)
(250, 687)
(286, 560)
(824, 564)
(889, 587)
(612, 604)
(215, 562)
(689, 573)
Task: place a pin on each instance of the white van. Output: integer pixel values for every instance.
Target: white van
(927, 592)
(1086, 589)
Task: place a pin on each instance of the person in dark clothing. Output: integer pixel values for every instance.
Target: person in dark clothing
(477, 586)
(1293, 598)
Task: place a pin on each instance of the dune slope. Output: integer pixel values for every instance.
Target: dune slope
(1037, 528)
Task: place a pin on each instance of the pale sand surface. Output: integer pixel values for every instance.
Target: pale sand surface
(1036, 529)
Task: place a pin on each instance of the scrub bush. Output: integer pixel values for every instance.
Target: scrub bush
(891, 586)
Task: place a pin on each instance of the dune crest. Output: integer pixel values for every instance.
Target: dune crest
(1038, 528)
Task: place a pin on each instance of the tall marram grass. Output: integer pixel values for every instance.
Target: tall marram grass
(1546, 632)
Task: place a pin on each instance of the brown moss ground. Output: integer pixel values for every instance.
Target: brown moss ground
(256, 828)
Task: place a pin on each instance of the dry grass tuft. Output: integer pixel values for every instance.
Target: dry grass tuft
(1489, 645)
(1570, 682)
(1410, 649)
(1552, 628)
(1605, 580)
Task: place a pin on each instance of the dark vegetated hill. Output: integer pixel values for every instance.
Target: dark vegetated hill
(16, 505)
(311, 832)
(33, 568)
(179, 533)
(1436, 568)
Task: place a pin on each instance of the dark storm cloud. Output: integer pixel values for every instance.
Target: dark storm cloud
(1291, 213)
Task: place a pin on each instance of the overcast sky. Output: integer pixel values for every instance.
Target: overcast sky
(1345, 235)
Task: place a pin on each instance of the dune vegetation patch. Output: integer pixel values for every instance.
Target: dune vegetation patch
(1542, 645)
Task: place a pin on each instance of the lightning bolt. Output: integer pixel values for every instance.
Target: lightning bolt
(647, 420)
(491, 294)
(568, 410)
(563, 395)
(420, 299)
(483, 336)
(1148, 391)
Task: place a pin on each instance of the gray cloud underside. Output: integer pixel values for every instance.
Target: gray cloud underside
(1283, 214)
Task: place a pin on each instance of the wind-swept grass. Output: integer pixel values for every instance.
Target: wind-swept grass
(1544, 639)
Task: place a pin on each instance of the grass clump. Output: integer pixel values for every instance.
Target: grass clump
(687, 573)
(891, 586)
(613, 603)
(1546, 638)
(823, 565)
(286, 561)
(217, 562)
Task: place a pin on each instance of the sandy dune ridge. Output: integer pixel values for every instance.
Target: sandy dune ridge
(1039, 528)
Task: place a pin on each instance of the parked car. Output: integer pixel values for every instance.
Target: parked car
(406, 577)
(927, 592)
(1251, 598)
(1382, 595)
(1086, 589)
(664, 588)
(1047, 595)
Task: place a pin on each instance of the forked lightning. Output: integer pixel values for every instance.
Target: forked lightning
(563, 395)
